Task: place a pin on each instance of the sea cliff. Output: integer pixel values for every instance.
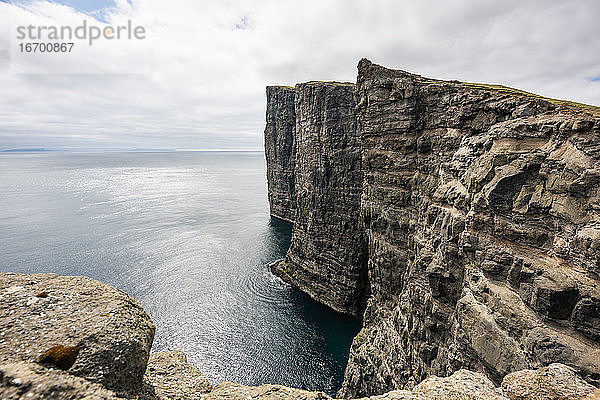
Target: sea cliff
(475, 241)
(280, 138)
(327, 256)
(460, 221)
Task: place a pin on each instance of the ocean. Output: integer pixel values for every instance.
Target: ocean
(188, 234)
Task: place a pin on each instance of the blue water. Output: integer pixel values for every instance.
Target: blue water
(189, 235)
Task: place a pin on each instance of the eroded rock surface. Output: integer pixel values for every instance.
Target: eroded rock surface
(462, 385)
(235, 391)
(557, 382)
(24, 380)
(170, 377)
(481, 212)
(554, 382)
(111, 330)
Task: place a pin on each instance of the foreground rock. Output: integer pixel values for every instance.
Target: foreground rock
(32, 325)
(557, 382)
(111, 331)
(463, 385)
(554, 382)
(24, 380)
(170, 377)
(234, 391)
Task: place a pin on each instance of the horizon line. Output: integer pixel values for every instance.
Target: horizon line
(132, 150)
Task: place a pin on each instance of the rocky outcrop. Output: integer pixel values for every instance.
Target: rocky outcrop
(168, 376)
(326, 258)
(106, 332)
(475, 204)
(463, 385)
(557, 383)
(280, 136)
(481, 219)
(68, 337)
(25, 380)
(554, 382)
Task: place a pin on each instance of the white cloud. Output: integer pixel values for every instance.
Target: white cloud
(198, 78)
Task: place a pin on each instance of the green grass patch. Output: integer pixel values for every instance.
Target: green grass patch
(282, 86)
(330, 83)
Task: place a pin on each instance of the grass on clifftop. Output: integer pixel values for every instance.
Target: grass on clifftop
(593, 110)
(329, 83)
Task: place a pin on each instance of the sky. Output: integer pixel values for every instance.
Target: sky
(197, 79)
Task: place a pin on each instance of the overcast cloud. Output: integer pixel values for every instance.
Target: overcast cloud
(197, 80)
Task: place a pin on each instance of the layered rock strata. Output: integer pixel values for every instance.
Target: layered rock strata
(327, 257)
(480, 213)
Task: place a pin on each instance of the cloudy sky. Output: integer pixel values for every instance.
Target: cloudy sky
(197, 80)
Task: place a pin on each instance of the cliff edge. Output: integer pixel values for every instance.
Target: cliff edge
(280, 138)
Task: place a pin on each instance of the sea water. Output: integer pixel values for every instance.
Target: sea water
(189, 235)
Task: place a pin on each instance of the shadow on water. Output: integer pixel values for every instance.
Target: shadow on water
(281, 234)
(338, 330)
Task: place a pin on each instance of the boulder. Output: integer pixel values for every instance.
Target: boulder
(170, 377)
(105, 332)
(462, 385)
(554, 382)
(25, 380)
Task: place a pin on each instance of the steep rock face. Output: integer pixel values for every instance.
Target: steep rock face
(481, 212)
(326, 258)
(280, 133)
